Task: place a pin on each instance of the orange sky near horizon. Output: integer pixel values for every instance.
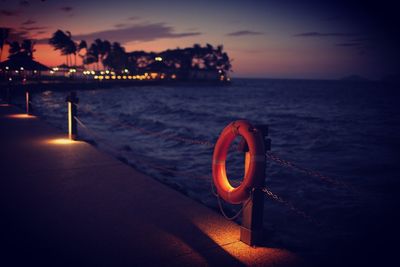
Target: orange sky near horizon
(263, 40)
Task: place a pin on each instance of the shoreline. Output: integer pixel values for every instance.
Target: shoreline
(66, 85)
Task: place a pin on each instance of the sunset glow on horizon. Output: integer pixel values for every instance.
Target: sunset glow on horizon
(264, 39)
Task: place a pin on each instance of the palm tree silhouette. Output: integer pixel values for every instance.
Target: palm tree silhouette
(71, 47)
(59, 42)
(24, 50)
(4, 32)
(14, 49)
(117, 58)
(82, 45)
(92, 55)
(63, 42)
(103, 48)
(27, 48)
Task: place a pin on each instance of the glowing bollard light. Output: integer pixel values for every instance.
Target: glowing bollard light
(21, 116)
(27, 101)
(61, 141)
(72, 101)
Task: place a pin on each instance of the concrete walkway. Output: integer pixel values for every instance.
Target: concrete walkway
(69, 204)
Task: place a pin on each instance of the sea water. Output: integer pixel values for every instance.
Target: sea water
(348, 131)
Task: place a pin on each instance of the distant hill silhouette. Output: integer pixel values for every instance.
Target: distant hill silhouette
(354, 78)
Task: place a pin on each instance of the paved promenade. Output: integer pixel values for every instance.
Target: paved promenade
(69, 204)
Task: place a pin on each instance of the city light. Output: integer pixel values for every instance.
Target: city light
(158, 59)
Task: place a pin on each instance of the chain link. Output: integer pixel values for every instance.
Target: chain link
(309, 172)
(234, 217)
(289, 205)
(265, 190)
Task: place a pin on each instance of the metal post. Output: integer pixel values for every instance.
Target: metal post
(27, 101)
(72, 100)
(251, 230)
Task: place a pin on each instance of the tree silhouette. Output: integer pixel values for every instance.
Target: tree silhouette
(24, 50)
(103, 48)
(187, 62)
(82, 45)
(92, 55)
(14, 49)
(63, 42)
(27, 48)
(71, 47)
(117, 58)
(59, 41)
(4, 32)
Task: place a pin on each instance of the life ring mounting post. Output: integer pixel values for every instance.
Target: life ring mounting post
(249, 192)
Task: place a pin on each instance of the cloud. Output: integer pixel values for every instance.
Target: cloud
(320, 34)
(34, 28)
(24, 3)
(28, 22)
(364, 39)
(143, 32)
(349, 44)
(134, 18)
(250, 51)
(41, 32)
(67, 9)
(18, 36)
(9, 13)
(244, 33)
(120, 25)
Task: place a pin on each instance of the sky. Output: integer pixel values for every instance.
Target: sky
(264, 39)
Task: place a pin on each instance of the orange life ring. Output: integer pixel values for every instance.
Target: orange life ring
(255, 171)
